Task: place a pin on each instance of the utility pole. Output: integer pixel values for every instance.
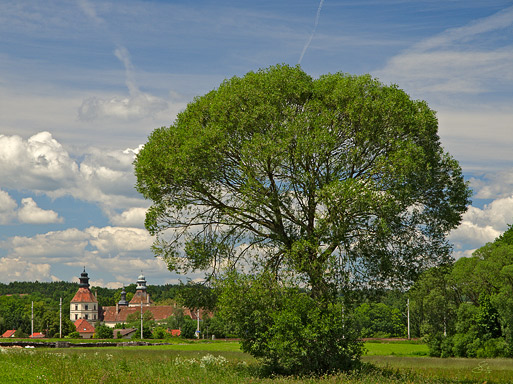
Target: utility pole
(142, 336)
(60, 318)
(197, 328)
(408, 306)
(32, 321)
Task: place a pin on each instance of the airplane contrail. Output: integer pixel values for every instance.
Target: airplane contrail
(313, 32)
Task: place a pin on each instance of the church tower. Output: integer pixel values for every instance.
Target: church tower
(140, 296)
(84, 304)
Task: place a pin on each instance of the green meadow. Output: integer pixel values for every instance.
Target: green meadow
(223, 362)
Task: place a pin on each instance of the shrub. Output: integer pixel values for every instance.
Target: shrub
(493, 348)
(74, 335)
(104, 332)
(188, 328)
(287, 329)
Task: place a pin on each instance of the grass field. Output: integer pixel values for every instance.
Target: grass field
(223, 362)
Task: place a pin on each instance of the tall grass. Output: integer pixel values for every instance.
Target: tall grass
(170, 365)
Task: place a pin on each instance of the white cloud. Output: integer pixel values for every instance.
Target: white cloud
(114, 240)
(480, 226)
(42, 165)
(30, 213)
(7, 208)
(39, 163)
(17, 269)
(493, 185)
(120, 251)
(133, 217)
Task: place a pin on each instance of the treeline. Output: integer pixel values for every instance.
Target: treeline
(466, 309)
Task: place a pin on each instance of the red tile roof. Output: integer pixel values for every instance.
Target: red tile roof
(159, 313)
(84, 295)
(124, 332)
(140, 296)
(9, 333)
(83, 326)
(37, 335)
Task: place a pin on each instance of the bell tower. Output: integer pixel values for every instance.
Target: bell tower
(84, 304)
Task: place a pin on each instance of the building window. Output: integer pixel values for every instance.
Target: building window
(86, 307)
(94, 308)
(86, 317)
(76, 307)
(94, 317)
(76, 316)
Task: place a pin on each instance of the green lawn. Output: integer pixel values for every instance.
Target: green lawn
(223, 362)
(397, 348)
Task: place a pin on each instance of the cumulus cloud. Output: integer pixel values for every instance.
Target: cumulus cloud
(493, 185)
(480, 226)
(123, 252)
(133, 217)
(7, 208)
(30, 213)
(42, 165)
(39, 163)
(17, 269)
(114, 240)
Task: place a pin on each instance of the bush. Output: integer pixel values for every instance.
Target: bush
(287, 329)
(493, 348)
(461, 343)
(74, 335)
(20, 334)
(104, 332)
(439, 345)
(159, 333)
(188, 328)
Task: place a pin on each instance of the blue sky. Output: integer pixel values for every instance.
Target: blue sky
(83, 83)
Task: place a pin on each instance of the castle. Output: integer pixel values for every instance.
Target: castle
(85, 311)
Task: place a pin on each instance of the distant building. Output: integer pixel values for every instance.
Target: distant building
(140, 296)
(84, 304)
(37, 335)
(124, 333)
(84, 328)
(9, 333)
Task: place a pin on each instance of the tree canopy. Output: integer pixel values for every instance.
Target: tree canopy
(339, 178)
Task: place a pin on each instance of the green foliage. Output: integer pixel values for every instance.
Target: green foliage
(196, 295)
(104, 332)
(289, 330)
(300, 170)
(74, 335)
(20, 334)
(331, 180)
(188, 328)
(159, 333)
(475, 295)
(379, 320)
(147, 332)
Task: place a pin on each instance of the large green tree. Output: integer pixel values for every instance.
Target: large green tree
(334, 180)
